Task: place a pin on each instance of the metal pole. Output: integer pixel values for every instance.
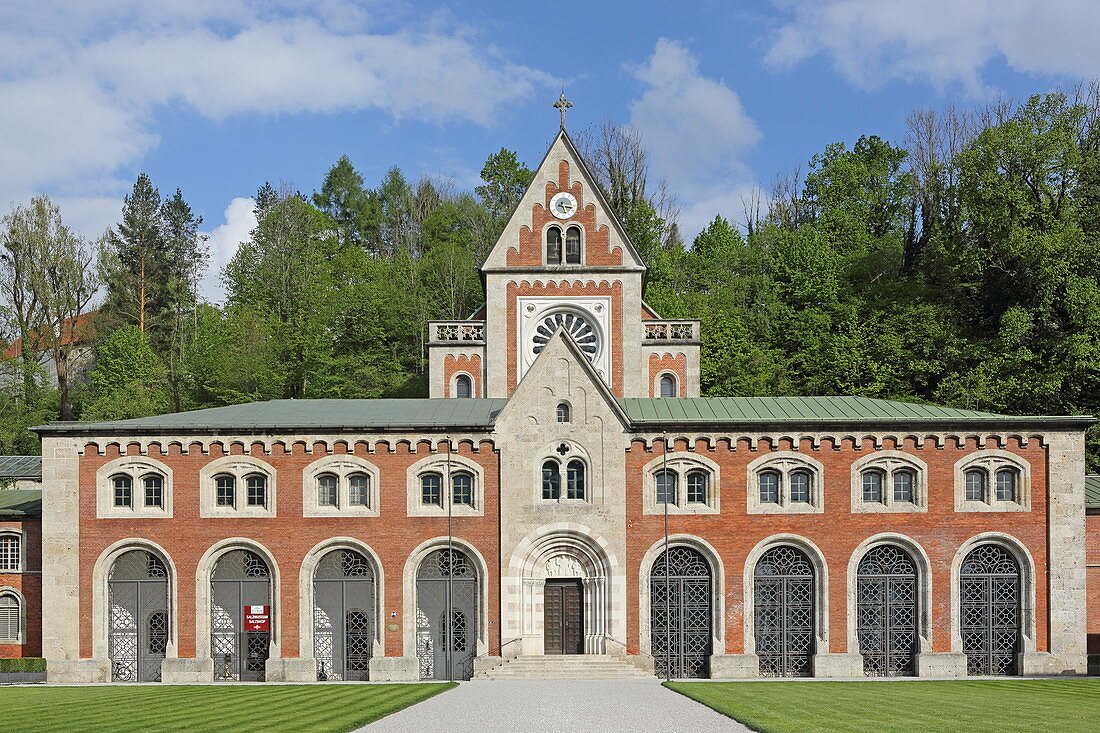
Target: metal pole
(668, 568)
(449, 625)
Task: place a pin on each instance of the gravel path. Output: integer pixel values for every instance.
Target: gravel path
(556, 706)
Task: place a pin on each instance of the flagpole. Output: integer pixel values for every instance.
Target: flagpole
(449, 626)
(668, 568)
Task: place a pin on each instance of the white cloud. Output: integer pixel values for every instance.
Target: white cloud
(80, 82)
(696, 130)
(941, 42)
(240, 220)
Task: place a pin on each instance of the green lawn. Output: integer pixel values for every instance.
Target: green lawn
(1063, 706)
(236, 708)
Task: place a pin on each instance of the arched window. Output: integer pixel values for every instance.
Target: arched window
(10, 618)
(800, 486)
(1006, 484)
(551, 480)
(784, 603)
(326, 489)
(563, 412)
(886, 625)
(463, 387)
(697, 487)
(11, 552)
(573, 246)
(359, 489)
(154, 490)
(137, 617)
(904, 480)
(990, 610)
(668, 386)
(343, 616)
(257, 489)
(462, 489)
(872, 487)
(574, 480)
(553, 246)
(666, 487)
(769, 487)
(975, 485)
(124, 491)
(241, 578)
(226, 490)
(431, 489)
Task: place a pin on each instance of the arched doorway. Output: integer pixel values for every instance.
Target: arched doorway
(783, 600)
(446, 615)
(886, 611)
(137, 618)
(240, 578)
(989, 616)
(343, 616)
(680, 613)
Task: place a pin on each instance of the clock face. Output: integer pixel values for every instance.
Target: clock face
(563, 205)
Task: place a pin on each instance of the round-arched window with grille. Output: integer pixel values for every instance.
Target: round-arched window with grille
(886, 596)
(990, 610)
(680, 613)
(783, 588)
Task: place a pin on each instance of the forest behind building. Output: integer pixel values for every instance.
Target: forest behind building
(959, 266)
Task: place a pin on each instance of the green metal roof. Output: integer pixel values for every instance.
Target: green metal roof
(1092, 491)
(21, 502)
(774, 410)
(308, 414)
(25, 467)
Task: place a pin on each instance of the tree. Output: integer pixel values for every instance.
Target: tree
(187, 257)
(128, 379)
(138, 261)
(505, 180)
(354, 209)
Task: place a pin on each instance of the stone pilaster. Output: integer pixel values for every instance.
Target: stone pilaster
(1066, 554)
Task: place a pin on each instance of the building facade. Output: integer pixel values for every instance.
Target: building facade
(564, 490)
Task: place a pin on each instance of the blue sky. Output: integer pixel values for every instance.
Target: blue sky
(215, 96)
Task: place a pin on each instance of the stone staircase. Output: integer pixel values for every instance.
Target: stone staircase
(564, 667)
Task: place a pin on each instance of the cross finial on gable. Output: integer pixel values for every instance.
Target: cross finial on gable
(563, 104)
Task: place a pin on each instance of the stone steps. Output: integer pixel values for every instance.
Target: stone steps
(564, 667)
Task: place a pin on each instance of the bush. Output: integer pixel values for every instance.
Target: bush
(23, 664)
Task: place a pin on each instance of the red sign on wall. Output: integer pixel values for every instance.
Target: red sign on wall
(257, 618)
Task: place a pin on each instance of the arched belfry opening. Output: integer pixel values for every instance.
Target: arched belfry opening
(565, 595)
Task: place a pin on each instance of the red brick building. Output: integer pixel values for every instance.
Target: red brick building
(564, 491)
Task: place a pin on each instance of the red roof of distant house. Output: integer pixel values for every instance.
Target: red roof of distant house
(76, 331)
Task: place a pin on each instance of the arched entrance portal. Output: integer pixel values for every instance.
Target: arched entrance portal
(343, 616)
(680, 613)
(990, 612)
(446, 616)
(784, 612)
(886, 611)
(137, 632)
(241, 578)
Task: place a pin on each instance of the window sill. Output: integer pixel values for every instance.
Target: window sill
(333, 511)
(799, 508)
(905, 507)
(687, 509)
(138, 513)
(995, 506)
(253, 512)
(457, 510)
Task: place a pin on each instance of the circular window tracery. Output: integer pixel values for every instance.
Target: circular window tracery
(582, 332)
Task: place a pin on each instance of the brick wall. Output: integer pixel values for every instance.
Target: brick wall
(1092, 562)
(29, 584)
(462, 363)
(289, 536)
(837, 532)
(677, 364)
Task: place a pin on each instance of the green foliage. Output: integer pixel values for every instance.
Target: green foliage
(505, 181)
(128, 380)
(23, 664)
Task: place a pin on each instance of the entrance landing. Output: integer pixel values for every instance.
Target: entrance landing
(557, 706)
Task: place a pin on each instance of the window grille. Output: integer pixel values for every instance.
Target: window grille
(668, 386)
(574, 480)
(903, 485)
(886, 625)
(326, 490)
(154, 491)
(226, 490)
(9, 618)
(680, 613)
(463, 388)
(975, 485)
(666, 487)
(124, 491)
(10, 553)
(431, 491)
(553, 246)
(769, 487)
(697, 487)
(462, 488)
(551, 481)
(784, 604)
(257, 490)
(563, 412)
(359, 489)
(872, 487)
(989, 612)
(1006, 484)
(800, 487)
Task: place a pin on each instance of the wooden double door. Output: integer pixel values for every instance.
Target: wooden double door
(563, 623)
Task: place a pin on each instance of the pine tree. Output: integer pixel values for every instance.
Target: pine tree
(137, 260)
(187, 259)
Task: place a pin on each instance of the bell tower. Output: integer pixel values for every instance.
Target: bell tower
(563, 260)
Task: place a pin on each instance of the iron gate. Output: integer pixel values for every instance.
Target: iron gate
(241, 578)
(137, 631)
(343, 616)
(886, 616)
(446, 643)
(680, 614)
(784, 612)
(990, 612)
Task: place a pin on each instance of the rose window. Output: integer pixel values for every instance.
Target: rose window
(582, 332)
